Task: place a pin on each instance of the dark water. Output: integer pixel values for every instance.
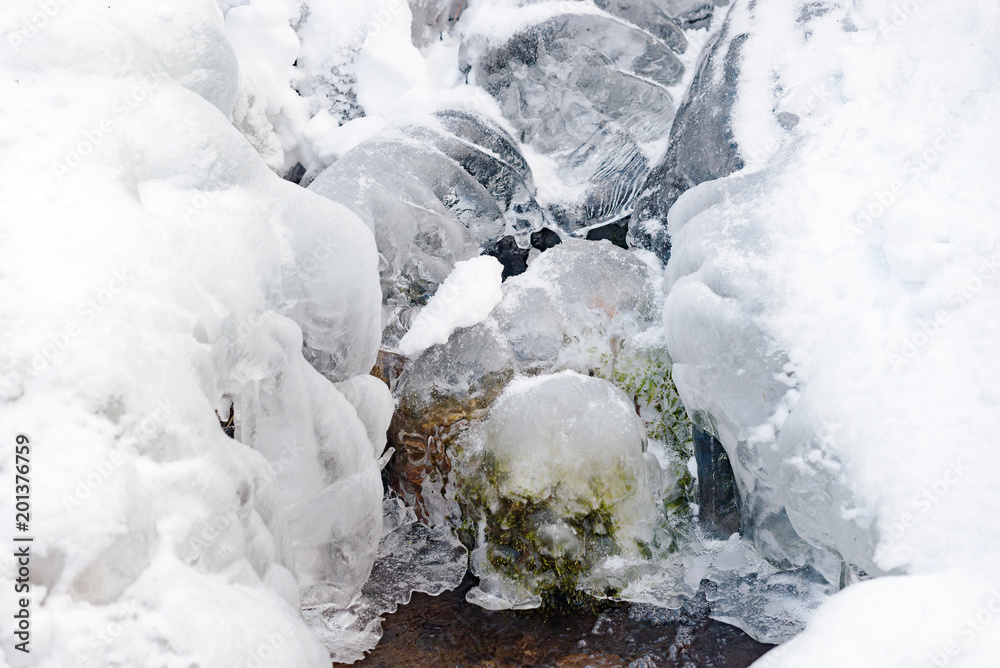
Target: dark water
(446, 631)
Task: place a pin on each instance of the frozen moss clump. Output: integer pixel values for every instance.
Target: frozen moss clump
(555, 480)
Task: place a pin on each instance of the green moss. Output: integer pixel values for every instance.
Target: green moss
(645, 376)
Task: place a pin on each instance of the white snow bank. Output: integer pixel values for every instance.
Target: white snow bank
(153, 271)
(834, 310)
(472, 289)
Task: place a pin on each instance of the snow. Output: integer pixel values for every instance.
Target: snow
(567, 447)
(831, 312)
(833, 306)
(155, 271)
(466, 298)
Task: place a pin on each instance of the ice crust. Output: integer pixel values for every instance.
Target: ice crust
(821, 317)
(570, 450)
(156, 271)
(831, 309)
(434, 194)
(411, 557)
(582, 87)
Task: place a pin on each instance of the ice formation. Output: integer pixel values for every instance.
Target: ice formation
(590, 307)
(582, 87)
(556, 480)
(831, 313)
(434, 194)
(155, 272)
(411, 557)
(830, 316)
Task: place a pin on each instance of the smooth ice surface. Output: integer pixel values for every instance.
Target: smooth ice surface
(471, 291)
(583, 88)
(156, 271)
(434, 193)
(832, 312)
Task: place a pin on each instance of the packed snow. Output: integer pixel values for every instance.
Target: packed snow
(155, 271)
(468, 294)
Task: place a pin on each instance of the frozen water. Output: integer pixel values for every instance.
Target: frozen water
(167, 273)
(556, 479)
(820, 318)
(586, 306)
(702, 146)
(434, 196)
(411, 557)
(581, 87)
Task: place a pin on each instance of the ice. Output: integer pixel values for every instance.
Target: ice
(651, 17)
(820, 317)
(556, 479)
(411, 557)
(583, 88)
(702, 146)
(585, 306)
(155, 271)
(433, 18)
(434, 194)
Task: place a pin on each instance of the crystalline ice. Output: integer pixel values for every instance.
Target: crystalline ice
(702, 146)
(587, 306)
(586, 89)
(411, 558)
(433, 198)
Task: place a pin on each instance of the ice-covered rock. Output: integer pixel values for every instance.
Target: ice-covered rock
(434, 194)
(832, 309)
(582, 87)
(555, 480)
(590, 307)
(702, 146)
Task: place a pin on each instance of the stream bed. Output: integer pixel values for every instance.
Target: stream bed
(444, 631)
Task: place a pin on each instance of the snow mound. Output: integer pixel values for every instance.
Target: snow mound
(155, 275)
(832, 310)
